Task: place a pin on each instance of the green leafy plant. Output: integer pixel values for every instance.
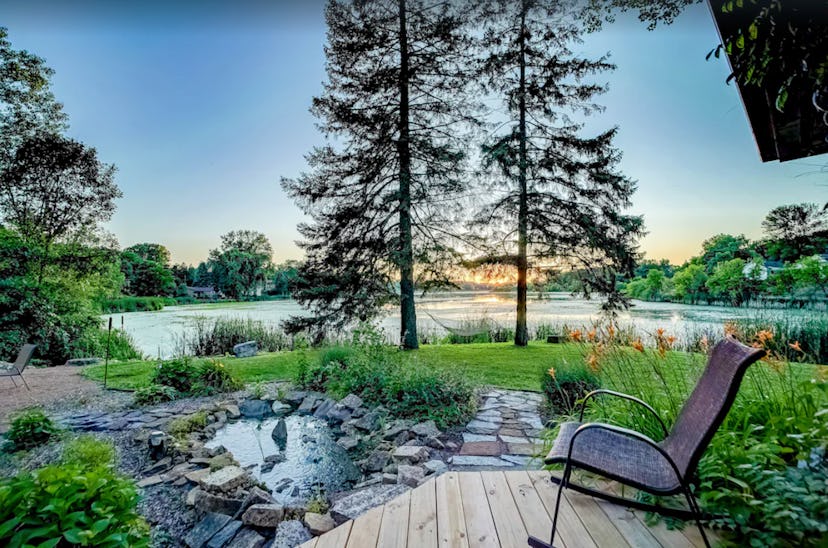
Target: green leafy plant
(88, 451)
(182, 426)
(154, 393)
(214, 377)
(30, 428)
(564, 384)
(94, 343)
(179, 374)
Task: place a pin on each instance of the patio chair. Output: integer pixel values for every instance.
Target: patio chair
(659, 468)
(12, 370)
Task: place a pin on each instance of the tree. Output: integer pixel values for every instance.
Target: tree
(809, 275)
(144, 276)
(393, 104)
(796, 230)
(559, 195)
(151, 252)
(241, 263)
(284, 277)
(722, 248)
(27, 105)
(689, 282)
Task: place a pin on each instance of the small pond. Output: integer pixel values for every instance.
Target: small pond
(312, 459)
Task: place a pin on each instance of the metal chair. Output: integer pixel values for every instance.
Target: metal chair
(659, 468)
(15, 369)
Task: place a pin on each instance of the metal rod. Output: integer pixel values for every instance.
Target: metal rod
(106, 360)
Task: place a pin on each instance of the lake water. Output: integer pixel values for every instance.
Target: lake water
(156, 333)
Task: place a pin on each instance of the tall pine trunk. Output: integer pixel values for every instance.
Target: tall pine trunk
(521, 331)
(408, 315)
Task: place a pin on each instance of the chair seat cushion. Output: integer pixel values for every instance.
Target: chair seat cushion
(616, 456)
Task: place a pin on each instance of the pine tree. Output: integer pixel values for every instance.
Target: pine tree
(561, 189)
(378, 192)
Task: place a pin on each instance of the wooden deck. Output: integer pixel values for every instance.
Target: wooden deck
(490, 509)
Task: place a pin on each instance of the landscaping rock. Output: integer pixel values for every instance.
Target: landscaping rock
(275, 459)
(263, 515)
(246, 349)
(347, 442)
(255, 496)
(281, 409)
(389, 478)
(338, 414)
(289, 534)
(247, 538)
(435, 466)
(150, 481)
(221, 504)
(410, 475)
(225, 479)
(427, 429)
(322, 409)
(410, 453)
(319, 524)
(83, 361)
(279, 434)
(295, 397)
(435, 443)
(353, 504)
(205, 529)
(232, 410)
(394, 429)
(376, 461)
(256, 409)
(157, 444)
(351, 401)
(308, 404)
(225, 535)
(470, 460)
(368, 422)
(482, 448)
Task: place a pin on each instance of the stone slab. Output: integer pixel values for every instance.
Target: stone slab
(482, 448)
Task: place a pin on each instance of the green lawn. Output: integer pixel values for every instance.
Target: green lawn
(497, 364)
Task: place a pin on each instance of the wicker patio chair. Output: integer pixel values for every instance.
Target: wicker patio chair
(659, 468)
(15, 369)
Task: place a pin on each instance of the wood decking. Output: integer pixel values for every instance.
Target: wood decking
(491, 509)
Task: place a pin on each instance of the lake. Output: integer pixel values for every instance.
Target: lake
(156, 332)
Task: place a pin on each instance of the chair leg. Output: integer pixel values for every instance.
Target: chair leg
(12, 380)
(25, 383)
(697, 513)
(536, 543)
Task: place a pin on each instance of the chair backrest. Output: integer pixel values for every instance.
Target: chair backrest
(24, 357)
(709, 403)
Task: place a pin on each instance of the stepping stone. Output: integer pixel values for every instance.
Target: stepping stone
(528, 449)
(482, 427)
(519, 460)
(514, 439)
(510, 432)
(467, 437)
(482, 448)
(469, 460)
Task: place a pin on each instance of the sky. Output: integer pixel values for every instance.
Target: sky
(203, 108)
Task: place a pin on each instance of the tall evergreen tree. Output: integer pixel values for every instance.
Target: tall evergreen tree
(377, 193)
(559, 195)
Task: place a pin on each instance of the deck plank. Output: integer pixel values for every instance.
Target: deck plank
(509, 525)
(628, 524)
(366, 528)
(337, 538)
(536, 519)
(480, 526)
(310, 544)
(570, 531)
(596, 522)
(451, 522)
(393, 531)
(422, 522)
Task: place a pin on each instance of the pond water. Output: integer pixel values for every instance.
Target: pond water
(157, 333)
(312, 459)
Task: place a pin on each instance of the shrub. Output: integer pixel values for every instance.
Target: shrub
(179, 374)
(136, 304)
(30, 428)
(89, 451)
(564, 384)
(155, 393)
(213, 377)
(94, 343)
(70, 504)
(218, 336)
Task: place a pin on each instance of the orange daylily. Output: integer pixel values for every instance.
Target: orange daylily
(551, 372)
(591, 335)
(638, 345)
(575, 335)
(796, 346)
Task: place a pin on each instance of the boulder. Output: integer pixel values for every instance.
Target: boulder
(389, 478)
(225, 534)
(209, 502)
(83, 361)
(410, 475)
(256, 495)
(376, 461)
(205, 529)
(255, 409)
(351, 401)
(295, 397)
(354, 503)
(427, 429)
(281, 409)
(263, 515)
(347, 442)
(226, 479)
(319, 524)
(322, 409)
(247, 538)
(410, 454)
(246, 349)
(290, 533)
(337, 414)
(279, 434)
(435, 466)
(308, 404)
(232, 410)
(369, 422)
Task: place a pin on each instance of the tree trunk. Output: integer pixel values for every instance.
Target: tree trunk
(408, 315)
(521, 331)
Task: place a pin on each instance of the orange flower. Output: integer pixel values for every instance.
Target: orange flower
(660, 332)
(575, 335)
(795, 346)
(591, 335)
(638, 345)
(592, 361)
(764, 336)
(704, 343)
(730, 329)
(611, 331)
(551, 372)
(670, 340)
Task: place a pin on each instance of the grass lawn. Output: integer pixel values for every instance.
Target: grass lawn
(497, 364)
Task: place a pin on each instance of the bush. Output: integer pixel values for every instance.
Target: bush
(94, 343)
(178, 374)
(184, 376)
(70, 504)
(218, 336)
(213, 377)
(30, 428)
(136, 304)
(89, 451)
(564, 384)
(154, 394)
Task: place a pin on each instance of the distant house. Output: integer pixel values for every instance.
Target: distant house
(755, 271)
(203, 293)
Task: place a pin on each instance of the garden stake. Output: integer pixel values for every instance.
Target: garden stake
(106, 360)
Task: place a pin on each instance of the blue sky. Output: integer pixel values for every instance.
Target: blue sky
(203, 106)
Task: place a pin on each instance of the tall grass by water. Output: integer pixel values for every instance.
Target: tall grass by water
(217, 336)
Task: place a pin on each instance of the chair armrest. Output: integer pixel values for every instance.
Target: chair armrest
(626, 397)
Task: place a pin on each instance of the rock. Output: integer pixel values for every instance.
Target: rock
(374, 479)
(376, 461)
(255, 409)
(482, 427)
(226, 479)
(275, 459)
(295, 397)
(351, 401)
(289, 534)
(281, 409)
(389, 478)
(482, 448)
(470, 460)
(221, 504)
(390, 469)
(246, 349)
(247, 538)
(369, 422)
(225, 534)
(205, 529)
(267, 467)
(191, 496)
(283, 484)
(353, 504)
(322, 409)
(263, 515)
(347, 443)
(410, 453)
(83, 361)
(410, 475)
(319, 524)
(427, 429)
(232, 410)
(337, 414)
(435, 443)
(308, 404)
(255, 496)
(435, 466)
(157, 444)
(279, 434)
(152, 480)
(394, 429)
